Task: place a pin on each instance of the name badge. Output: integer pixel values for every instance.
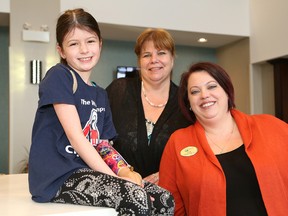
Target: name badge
(189, 151)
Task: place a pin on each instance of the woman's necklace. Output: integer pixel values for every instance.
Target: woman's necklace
(225, 145)
(149, 102)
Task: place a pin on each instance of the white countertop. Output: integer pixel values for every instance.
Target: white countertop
(15, 199)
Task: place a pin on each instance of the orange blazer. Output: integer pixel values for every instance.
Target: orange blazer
(197, 180)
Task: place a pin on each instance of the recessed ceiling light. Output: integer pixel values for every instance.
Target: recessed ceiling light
(202, 40)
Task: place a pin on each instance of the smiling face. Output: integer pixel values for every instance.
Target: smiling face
(207, 98)
(156, 65)
(81, 49)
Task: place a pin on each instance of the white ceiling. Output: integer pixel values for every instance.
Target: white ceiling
(130, 33)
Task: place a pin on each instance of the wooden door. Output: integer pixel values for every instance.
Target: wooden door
(281, 87)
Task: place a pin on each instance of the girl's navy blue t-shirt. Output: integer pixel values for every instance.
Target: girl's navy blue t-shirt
(52, 159)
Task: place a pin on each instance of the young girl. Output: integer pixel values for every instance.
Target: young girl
(70, 123)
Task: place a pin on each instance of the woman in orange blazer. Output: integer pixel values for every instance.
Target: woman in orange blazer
(226, 162)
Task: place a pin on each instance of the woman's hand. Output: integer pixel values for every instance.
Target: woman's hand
(127, 174)
(153, 178)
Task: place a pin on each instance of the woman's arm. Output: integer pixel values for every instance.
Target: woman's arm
(153, 178)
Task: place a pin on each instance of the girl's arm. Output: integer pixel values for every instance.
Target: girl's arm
(69, 119)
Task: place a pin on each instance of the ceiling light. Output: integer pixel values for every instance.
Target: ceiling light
(202, 40)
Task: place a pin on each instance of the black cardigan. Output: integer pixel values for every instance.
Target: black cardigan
(129, 120)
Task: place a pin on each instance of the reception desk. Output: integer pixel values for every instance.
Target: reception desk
(15, 199)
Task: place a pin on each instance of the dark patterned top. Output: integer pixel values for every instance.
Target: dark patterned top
(129, 120)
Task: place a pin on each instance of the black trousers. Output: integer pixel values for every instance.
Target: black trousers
(88, 187)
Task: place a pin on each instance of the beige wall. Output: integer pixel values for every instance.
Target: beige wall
(268, 27)
(262, 96)
(23, 95)
(234, 58)
(268, 40)
(5, 6)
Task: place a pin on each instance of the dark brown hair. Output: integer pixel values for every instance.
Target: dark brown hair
(214, 70)
(76, 18)
(160, 37)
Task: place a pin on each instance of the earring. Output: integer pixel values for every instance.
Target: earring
(190, 109)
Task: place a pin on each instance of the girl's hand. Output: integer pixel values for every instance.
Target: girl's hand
(127, 174)
(153, 178)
